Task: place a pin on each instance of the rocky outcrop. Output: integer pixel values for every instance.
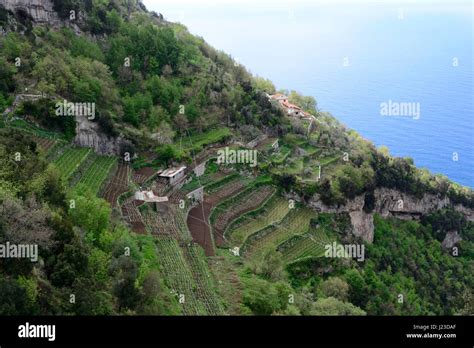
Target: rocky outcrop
(362, 225)
(39, 11)
(88, 134)
(451, 239)
(356, 204)
(388, 202)
(362, 222)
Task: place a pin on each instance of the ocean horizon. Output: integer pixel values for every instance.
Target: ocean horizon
(357, 60)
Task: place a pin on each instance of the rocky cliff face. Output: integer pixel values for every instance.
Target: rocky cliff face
(391, 202)
(88, 134)
(39, 11)
(450, 240)
(362, 225)
(388, 202)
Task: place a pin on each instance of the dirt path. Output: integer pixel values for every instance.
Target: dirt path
(198, 218)
(198, 226)
(117, 186)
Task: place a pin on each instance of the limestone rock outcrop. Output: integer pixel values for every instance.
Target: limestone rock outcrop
(451, 239)
(388, 202)
(40, 11)
(362, 225)
(88, 134)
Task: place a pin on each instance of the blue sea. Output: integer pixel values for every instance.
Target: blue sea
(352, 56)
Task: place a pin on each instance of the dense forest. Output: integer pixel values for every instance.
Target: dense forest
(170, 95)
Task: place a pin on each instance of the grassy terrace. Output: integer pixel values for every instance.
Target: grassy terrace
(186, 274)
(271, 213)
(280, 156)
(195, 143)
(97, 172)
(311, 244)
(210, 176)
(296, 222)
(31, 128)
(227, 180)
(70, 161)
(248, 200)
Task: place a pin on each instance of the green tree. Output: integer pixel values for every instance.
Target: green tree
(333, 306)
(168, 153)
(90, 213)
(335, 287)
(14, 298)
(263, 297)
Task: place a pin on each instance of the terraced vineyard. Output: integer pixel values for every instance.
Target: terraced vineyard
(177, 196)
(273, 212)
(45, 144)
(296, 222)
(132, 215)
(238, 205)
(198, 216)
(227, 190)
(186, 275)
(225, 270)
(160, 224)
(70, 161)
(206, 292)
(204, 180)
(97, 173)
(170, 223)
(143, 174)
(311, 244)
(118, 185)
(227, 184)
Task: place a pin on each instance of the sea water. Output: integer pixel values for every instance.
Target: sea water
(355, 57)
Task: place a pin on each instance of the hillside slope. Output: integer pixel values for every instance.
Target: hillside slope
(99, 99)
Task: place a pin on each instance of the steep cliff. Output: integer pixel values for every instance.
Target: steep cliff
(39, 11)
(388, 203)
(88, 134)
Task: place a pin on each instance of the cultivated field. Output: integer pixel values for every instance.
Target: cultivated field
(311, 244)
(296, 222)
(186, 274)
(95, 175)
(70, 161)
(118, 185)
(273, 212)
(240, 204)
